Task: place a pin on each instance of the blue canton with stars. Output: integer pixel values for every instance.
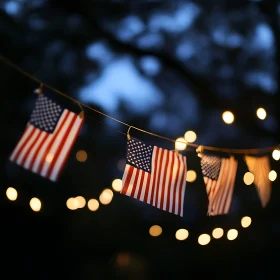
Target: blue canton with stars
(211, 166)
(139, 155)
(46, 114)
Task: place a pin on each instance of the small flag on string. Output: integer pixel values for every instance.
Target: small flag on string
(219, 177)
(260, 167)
(48, 138)
(156, 176)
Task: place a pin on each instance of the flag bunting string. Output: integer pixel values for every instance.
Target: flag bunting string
(81, 105)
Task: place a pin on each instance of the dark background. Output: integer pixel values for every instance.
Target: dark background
(162, 66)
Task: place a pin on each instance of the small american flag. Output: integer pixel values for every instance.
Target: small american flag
(219, 177)
(48, 138)
(260, 167)
(156, 176)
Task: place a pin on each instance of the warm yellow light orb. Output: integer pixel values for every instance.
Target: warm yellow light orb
(117, 185)
(232, 234)
(106, 196)
(81, 201)
(272, 175)
(204, 239)
(35, 204)
(248, 178)
(93, 204)
(276, 154)
(180, 144)
(191, 176)
(181, 234)
(228, 117)
(81, 156)
(11, 193)
(246, 221)
(261, 113)
(190, 136)
(72, 203)
(217, 233)
(155, 230)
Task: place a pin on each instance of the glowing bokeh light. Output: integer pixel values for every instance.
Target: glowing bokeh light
(72, 203)
(106, 196)
(272, 175)
(93, 204)
(276, 154)
(261, 113)
(204, 239)
(35, 204)
(246, 221)
(180, 144)
(217, 233)
(232, 234)
(155, 230)
(81, 156)
(228, 117)
(81, 201)
(248, 178)
(190, 136)
(11, 193)
(117, 185)
(191, 176)
(181, 234)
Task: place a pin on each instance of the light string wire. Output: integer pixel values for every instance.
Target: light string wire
(210, 148)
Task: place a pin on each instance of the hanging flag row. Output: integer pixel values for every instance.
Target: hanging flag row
(152, 174)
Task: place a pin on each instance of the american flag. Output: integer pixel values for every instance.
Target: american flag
(260, 167)
(156, 176)
(219, 177)
(48, 138)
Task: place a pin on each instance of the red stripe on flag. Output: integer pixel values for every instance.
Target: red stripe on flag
(24, 144)
(154, 172)
(127, 180)
(181, 185)
(169, 183)
(158, 177)
(164, 180)
(134, 183)
(30, 148)
(62, 143)
(175, 186)
(38, 150)
(69, 150)
(141, 185)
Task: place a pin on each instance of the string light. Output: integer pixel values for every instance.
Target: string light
(261, 113)
(180, 144)
(93, 204)
(81, 201)
(72, 203)
(11, 194)
(228, 117)
(246, 221)
(191, 176)
(276, 154)
(106, 196)
(232, 234)
(181, 234)
(190, 136)
(248, 178)
(204, 239)
(35, 204)
(217, 233)
(155, 230)
(117, 185)
(81, 156)
(272, 175)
